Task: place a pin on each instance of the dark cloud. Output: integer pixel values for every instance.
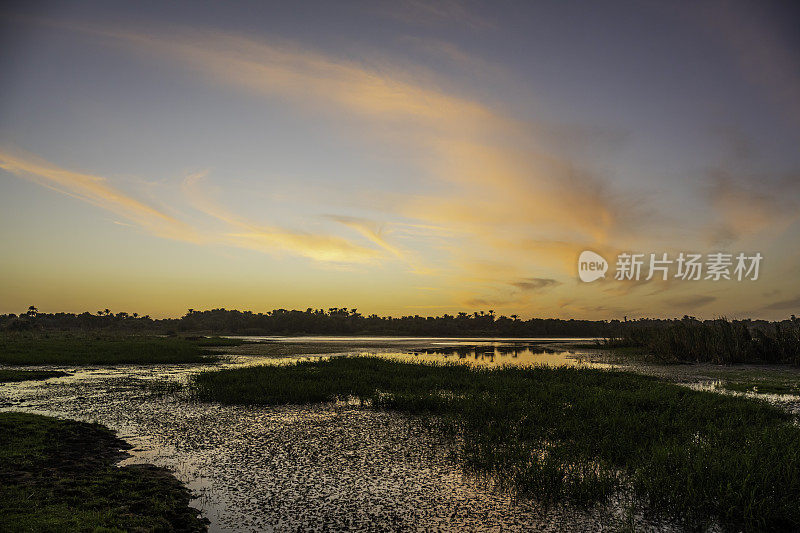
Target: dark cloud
(691, 302)
(534, 284)
(482, 302)
(793, 303)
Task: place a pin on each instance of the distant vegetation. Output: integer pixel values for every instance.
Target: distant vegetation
(59, 475)
(60, 348)
(576, 434)
(687, 339)
(348, 321)
(717, 341)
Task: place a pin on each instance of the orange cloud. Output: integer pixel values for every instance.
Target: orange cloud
(97, 191)
(247, 234)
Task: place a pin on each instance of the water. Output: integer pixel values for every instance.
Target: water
(294, 468)
(479, 351)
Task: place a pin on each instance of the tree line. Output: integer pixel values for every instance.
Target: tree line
(348, 321)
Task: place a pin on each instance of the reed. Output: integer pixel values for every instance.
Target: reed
(719, 341)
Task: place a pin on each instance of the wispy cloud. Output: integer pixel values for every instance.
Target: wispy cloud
(428, 13)
(454, 55)
(499, 179)
(97, 191)
(284, 68)
(742, 209)
(247, 234)
(369, 229)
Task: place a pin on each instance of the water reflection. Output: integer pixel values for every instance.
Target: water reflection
(496, 354)
(480, 351)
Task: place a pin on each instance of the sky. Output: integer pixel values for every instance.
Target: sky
(401, 157)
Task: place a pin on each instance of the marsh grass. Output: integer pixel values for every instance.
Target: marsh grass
(9, 375)
(719, 341)
(59, 475)
(217, 342)
(763, 386)
(581, 435)
(57, 348)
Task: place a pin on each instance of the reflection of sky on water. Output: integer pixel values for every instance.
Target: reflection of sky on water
(499, 355)
(480, 351)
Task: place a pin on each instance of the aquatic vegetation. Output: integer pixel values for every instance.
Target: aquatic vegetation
(33, 348)
(582, 435)
(212, 342)
(764, 386)
(8, 376)
(59, 475)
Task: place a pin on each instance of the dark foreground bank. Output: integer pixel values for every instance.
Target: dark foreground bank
(60, 475)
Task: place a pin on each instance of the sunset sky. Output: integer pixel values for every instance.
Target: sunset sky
(401, 157)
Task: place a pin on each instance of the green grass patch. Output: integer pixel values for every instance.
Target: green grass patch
(213, 342)
(763, 387)
(580, 435)
(9, 375)
(59, 475)
(91, 349)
